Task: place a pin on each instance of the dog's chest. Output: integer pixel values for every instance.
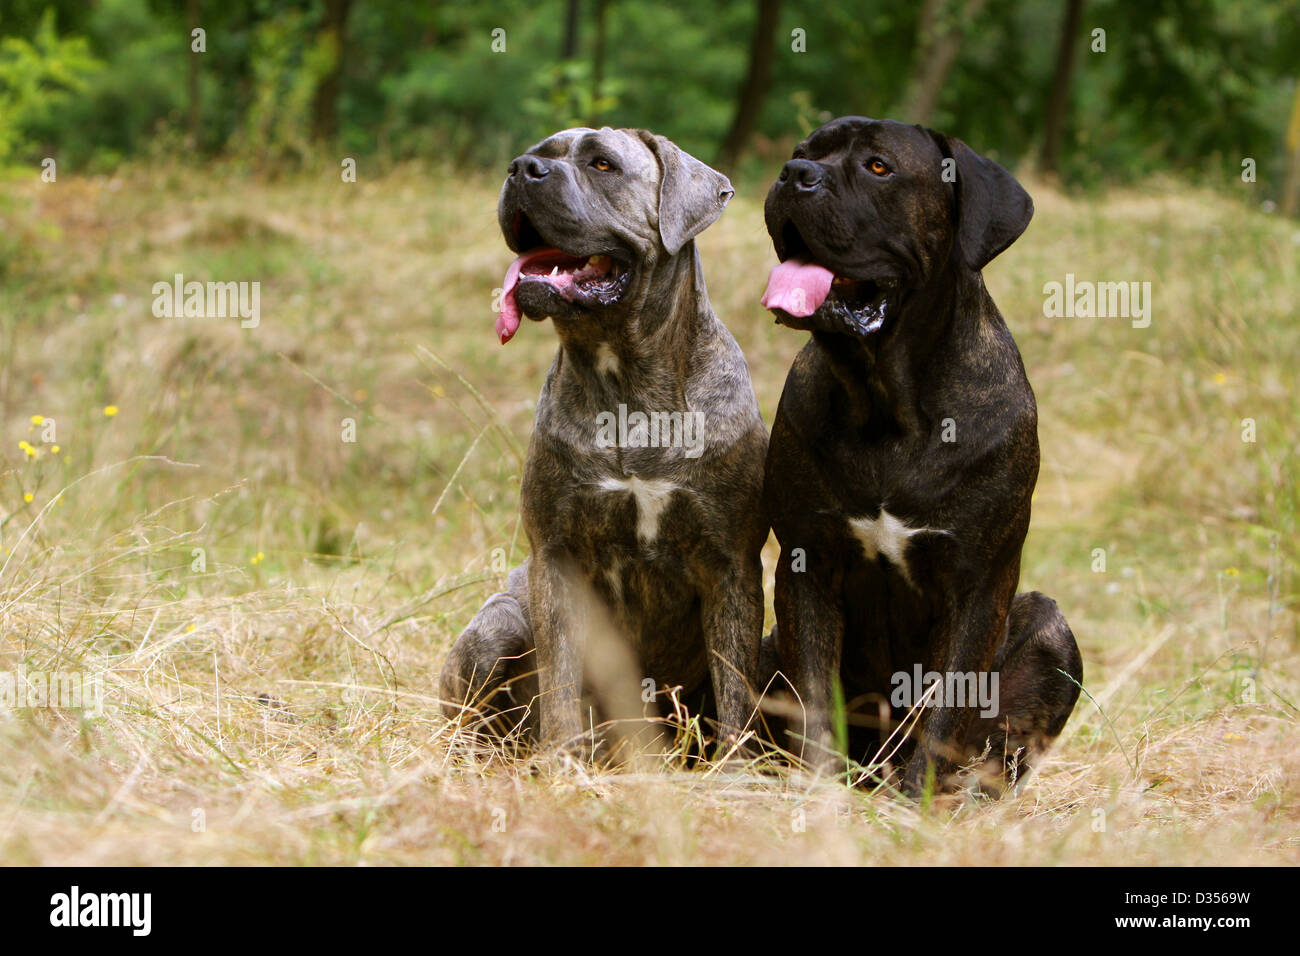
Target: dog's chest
(649, 497)
(604, 513)
(880, 508)
(888, 537)
(638, 539)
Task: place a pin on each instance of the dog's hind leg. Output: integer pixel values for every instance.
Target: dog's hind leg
(490, 677)
(1039, 676)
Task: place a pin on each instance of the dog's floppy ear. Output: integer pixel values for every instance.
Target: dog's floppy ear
(691, 195)
(992, 208)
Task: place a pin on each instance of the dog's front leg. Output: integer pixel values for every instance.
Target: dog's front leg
(810, 640)
(963, 647)
(733, 631)
(559, 640)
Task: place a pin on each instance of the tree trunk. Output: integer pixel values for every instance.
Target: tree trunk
(598, 62)
(938, 43)
(193, 8)
(325, 101)
(1058, 101)
(1291, 189)
(573, 15)
(758, 78)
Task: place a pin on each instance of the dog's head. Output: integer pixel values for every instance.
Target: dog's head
(869, 210)
(591, 214)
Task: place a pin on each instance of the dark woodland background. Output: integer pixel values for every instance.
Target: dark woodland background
(1191, 86)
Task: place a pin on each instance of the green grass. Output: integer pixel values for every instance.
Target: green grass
(286, 691)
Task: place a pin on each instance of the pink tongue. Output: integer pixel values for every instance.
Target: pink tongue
(508, 317)
(797, 287)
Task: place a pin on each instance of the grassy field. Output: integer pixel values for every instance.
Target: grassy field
(267, 605)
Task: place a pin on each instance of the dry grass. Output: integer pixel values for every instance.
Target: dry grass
(283, 696)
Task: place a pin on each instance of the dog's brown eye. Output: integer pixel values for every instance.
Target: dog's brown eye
(604, 165)
(878, 167)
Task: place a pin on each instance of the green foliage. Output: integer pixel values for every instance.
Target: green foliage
(37, 77)
(138, 95)
(1191, 85)
(564, 97)
(288, 61)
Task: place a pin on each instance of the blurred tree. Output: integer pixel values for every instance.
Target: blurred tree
(37, 77)
(193, 9)
(566, 76)
(572, 16)
(153, 40)
(943, 26)
(758, 79)
(22, 18)
(1291, 190)
(1189, 85)
(333, 42)
(598, 61)
(1058, 100)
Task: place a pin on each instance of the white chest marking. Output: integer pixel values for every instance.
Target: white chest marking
(606, 360)
(887, 536)
(652, 497)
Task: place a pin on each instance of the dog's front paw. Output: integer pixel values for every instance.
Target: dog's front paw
(925, 778)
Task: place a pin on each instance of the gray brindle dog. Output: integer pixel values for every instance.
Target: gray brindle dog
(659, 517)
(903, 457)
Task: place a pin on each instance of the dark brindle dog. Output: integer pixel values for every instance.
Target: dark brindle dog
(903, 457)
(664, 532)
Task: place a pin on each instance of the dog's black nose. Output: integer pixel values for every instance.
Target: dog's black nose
(531, 167)
(806, 175)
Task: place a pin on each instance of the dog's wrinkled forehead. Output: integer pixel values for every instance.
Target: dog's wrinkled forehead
(581, 145)
(848, 136)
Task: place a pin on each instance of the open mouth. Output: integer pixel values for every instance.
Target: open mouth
(589, 280)
(800, 287)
